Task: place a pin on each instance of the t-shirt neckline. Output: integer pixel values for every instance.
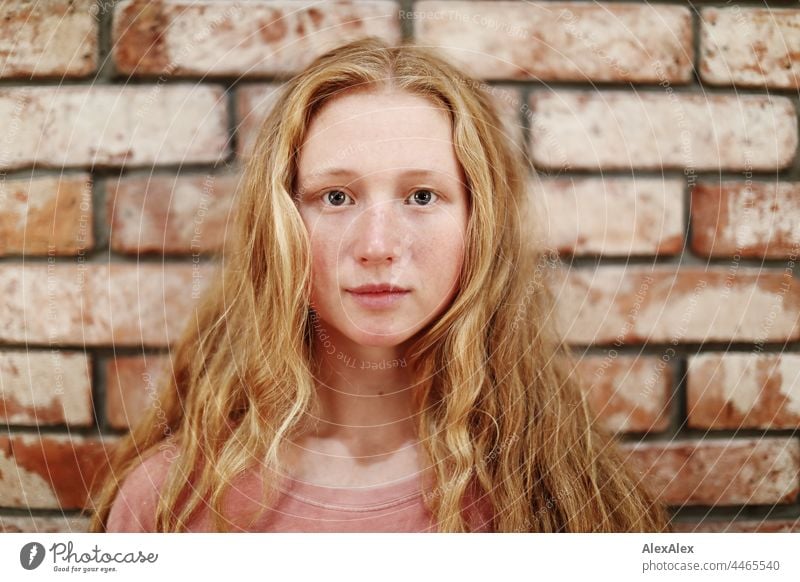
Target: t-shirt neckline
(390, 493)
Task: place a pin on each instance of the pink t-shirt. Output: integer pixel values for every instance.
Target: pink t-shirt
(302, 507)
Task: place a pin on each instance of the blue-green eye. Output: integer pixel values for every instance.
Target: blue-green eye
(425, 199)
(339, 198)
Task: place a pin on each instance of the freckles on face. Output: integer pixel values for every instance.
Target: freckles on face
(426, 256)
(383, 198)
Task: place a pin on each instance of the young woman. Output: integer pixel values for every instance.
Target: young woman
(378, 352)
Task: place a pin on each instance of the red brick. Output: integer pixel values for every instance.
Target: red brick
(73, 126)
(748, 526)
(720, 472)
(662, 129)
(509, 103)
(749, 219)
(132, 387)
(635, 304)
(52, 471)
(559, 41)
(36, 524)
(611, 216)
(46, 216)
(744, 390)
(168, 214)
(750, 47)
(50, 38)
(253, 103)
(185, 38)
(114, 304)
(45, 387)
(628, 394)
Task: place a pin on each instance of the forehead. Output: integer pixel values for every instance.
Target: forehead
(372, 132)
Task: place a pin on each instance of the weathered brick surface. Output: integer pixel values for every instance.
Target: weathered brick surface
(48, 38)
(750, 47)
(133, 387)
(634, 304)
(14, 524)
(115, 304)
(181, 38)
(45, 387)
(610, 216)
(628, 394)
(46, 216)
(720, 472)
(559, 40)
(50, 471)
(73, 126)
(746, 390)
(749, 219)
(509, 103)
(253, 102)
(165, 214)
(661, 129)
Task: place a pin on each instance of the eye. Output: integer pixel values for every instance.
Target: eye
(337, 199)
(426, 198)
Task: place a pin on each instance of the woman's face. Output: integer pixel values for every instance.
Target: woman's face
(384, 201)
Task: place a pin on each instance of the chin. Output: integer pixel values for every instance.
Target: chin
(376, 340)
(376, 336)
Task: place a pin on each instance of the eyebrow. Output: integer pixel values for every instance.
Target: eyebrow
(338, 172)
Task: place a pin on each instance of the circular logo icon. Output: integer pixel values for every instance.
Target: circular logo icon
(31, 555)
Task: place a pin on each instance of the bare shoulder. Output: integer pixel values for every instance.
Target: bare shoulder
(134, 507)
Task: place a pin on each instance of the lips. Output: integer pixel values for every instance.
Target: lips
(378, 288)
(378, 296)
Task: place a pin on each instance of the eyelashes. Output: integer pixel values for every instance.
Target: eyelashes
(432, 200)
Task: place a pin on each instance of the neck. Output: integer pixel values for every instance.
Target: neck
(365, 393)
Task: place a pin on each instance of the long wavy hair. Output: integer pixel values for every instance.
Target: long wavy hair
(499, 405)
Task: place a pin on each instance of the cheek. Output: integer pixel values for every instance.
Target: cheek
(441, 259)
(323, 261)
(324, 268)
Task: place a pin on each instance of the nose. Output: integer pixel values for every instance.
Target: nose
(379, 233)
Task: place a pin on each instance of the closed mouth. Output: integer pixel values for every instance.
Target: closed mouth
(377, 289)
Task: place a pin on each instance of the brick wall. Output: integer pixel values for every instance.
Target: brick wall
(665, 139)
